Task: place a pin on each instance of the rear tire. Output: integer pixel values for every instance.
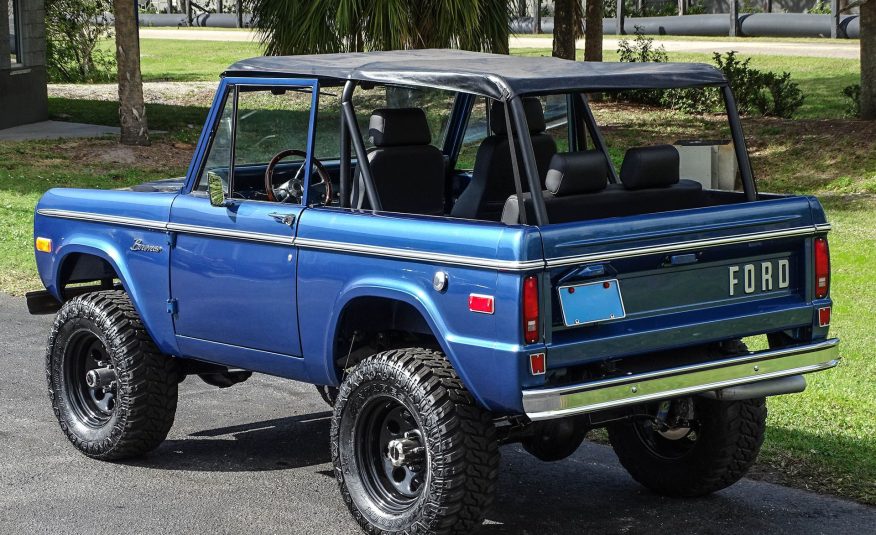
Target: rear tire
(721, 446)
(412, 450)
(113, 392)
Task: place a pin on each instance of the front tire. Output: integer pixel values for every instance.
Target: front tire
(720, 445)
(113, 393)
(412, 451)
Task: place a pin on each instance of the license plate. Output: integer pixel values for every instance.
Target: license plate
(592, 302)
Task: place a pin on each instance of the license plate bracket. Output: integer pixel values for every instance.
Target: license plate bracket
(591, 302)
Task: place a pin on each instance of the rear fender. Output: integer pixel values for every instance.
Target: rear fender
(414, 296)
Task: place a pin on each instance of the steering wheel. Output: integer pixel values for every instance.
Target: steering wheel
(293, 189)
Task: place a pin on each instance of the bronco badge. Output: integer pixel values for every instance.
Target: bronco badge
(138, 245)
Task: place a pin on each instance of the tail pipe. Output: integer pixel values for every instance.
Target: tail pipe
(772, 387)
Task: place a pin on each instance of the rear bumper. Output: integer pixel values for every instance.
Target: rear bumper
(546, 403)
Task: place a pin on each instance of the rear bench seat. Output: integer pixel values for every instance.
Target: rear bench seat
(578, 189)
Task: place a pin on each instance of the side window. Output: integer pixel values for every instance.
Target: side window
(219, 154)
(270, 120)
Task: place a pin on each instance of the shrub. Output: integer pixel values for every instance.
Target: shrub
(820, 8)
(853, 92)
(641, 50)
(74, 29)
(785, 94)
(756, 92)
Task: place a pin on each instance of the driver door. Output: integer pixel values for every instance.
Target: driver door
(233, 266)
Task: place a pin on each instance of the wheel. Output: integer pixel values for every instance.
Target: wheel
(554, 440)
(113, 393)
(695, 456)
(412, 451)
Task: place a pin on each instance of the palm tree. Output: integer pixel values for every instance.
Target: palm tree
(568, 26)
(322, 26)
(132, 110)
(868, 60)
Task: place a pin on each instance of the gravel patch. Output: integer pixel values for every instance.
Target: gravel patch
(171, 93)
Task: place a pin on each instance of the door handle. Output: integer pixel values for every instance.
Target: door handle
(286, 219)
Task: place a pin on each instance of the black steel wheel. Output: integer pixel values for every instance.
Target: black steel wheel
(112, 391)
(404, 431)
(693, 456)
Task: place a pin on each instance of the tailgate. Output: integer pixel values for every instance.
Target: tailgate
(633, 285)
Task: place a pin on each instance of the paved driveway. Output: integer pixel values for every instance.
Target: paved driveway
(254, 459)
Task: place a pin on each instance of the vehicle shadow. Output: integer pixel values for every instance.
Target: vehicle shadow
(278, 444)
(588, 492)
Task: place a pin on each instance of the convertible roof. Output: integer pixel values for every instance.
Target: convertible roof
(492, 75)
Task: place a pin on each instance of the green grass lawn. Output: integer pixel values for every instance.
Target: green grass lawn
(821, 79)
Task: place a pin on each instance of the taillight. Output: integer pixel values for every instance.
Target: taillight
(531, 331)
(822, 268)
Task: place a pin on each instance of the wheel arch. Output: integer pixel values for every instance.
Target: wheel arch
(412, 309)
(78, 261)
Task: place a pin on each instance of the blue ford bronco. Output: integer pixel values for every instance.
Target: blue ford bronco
(483, 257)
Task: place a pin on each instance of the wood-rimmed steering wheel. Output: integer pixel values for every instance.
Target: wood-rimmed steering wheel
(293, 189)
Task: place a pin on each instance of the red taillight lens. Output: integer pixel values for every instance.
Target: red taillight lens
(822, 268)
(531, 330)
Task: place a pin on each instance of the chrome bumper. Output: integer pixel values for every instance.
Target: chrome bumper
(546, 403)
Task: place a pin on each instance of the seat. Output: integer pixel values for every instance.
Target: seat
(409, 173)
(573, 183)
(493, 176)
(578, 189)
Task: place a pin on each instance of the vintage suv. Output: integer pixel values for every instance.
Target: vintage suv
(482, 262)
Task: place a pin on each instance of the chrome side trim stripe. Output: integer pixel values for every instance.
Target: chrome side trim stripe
(823, 227)
(546, 403)
(103, 218)
(231, 234)
(428, 256)
(680, 246)
(424, 256)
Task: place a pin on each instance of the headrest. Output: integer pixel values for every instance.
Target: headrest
(650, 167)
(390, 127)
(534, 116)
(572, 173)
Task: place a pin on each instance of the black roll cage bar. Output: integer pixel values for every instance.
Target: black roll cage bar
(580, 113)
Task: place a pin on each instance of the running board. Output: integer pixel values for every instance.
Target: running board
(547, 403)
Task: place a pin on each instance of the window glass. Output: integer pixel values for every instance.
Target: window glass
(219, 154)
(270, 120)
(437, 105)
(14, 33)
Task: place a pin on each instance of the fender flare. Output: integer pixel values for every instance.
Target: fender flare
(110, 253)
(398, 291)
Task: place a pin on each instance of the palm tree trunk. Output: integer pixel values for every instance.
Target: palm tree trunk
(868, 60)
(564, 29)
(132, 110)
(593, 31)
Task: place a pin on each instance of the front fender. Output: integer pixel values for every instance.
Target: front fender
(144, 278)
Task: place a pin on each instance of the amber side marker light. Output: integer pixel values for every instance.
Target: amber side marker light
(44, 245)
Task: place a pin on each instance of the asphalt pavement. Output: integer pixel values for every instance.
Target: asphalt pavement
(254, 458)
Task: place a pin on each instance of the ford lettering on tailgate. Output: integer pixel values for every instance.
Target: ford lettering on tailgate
(763, 276)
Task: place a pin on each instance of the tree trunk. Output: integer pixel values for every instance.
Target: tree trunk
(593, 31)
(868, 60)
(132, 110)
(564, 29)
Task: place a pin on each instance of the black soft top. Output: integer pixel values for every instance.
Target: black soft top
(492, 75)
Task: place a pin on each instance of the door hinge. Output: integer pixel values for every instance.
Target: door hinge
(172, 307)
(171, 239)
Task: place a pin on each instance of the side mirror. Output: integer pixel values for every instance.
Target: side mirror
(215, 189)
